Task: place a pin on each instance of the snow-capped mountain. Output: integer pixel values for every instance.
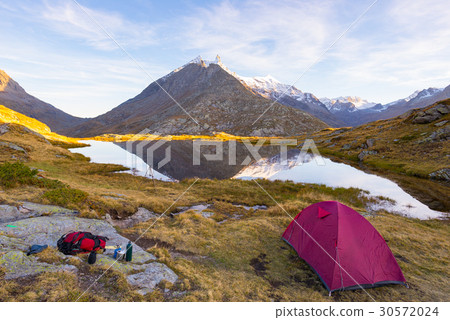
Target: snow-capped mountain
(417, 96)
(209, 93)
(355, 111)
(271, 88)
(349, 103)
(217, 97)
(201, 62)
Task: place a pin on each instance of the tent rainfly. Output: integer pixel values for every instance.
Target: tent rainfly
(342, 247)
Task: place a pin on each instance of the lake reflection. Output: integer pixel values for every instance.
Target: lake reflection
(335, 174)
(297, 168)
(202, 159)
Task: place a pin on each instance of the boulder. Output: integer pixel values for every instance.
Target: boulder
(4, 128)
(346, 146)
(10, 213)
(364, 153)
(370, 143)
(443, 174)
(442, 134)
(440, 123)
(431, 114)
(12, 146)
(147, 280)
(142, 215)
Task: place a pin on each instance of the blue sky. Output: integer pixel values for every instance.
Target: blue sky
(57, 53)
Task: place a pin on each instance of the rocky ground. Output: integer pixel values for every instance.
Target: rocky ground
(27, 226)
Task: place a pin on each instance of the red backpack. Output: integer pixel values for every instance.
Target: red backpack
(80, 242)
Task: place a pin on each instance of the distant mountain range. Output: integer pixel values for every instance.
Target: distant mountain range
(355, 111)
(215, 100)
(342, 111)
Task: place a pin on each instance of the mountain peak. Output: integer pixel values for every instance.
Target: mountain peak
(347, 103)
(4, 80)
(206, 63)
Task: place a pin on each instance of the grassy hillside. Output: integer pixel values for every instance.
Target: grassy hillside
(235, 255)
(10, 116)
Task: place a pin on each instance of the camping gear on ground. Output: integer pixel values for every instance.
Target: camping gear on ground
(121, 254)
(129, 254)
(81, 242)
(342, 247)
(116, 251)
(92, 257)
(36, 248)
(11, 226)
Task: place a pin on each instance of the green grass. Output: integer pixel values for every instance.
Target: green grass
(65, 196)
(14, 174)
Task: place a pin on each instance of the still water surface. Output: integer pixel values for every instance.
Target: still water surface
(297, 168)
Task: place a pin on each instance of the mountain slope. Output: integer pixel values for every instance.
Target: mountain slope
(212, 96)
(14, 97)
(271, 88)
(12, 117)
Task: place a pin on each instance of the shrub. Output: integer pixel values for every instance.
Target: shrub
(13, 174)
(65, 196)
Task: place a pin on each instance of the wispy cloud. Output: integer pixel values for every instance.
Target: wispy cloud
(407, 47)
(53, 47)
(68, 19)
(399, 43)
(272, 36)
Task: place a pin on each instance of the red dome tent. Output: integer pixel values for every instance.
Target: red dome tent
(342, 247)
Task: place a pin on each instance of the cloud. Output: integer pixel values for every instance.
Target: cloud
(279, 37)
(81, 85)
(397, 44)
(410, 47)
(68, 19)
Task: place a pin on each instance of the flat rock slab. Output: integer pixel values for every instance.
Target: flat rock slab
(47, 230)
(143, 272)
(18, 264)
(46, 209)
(29, 210)
(10, 213)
